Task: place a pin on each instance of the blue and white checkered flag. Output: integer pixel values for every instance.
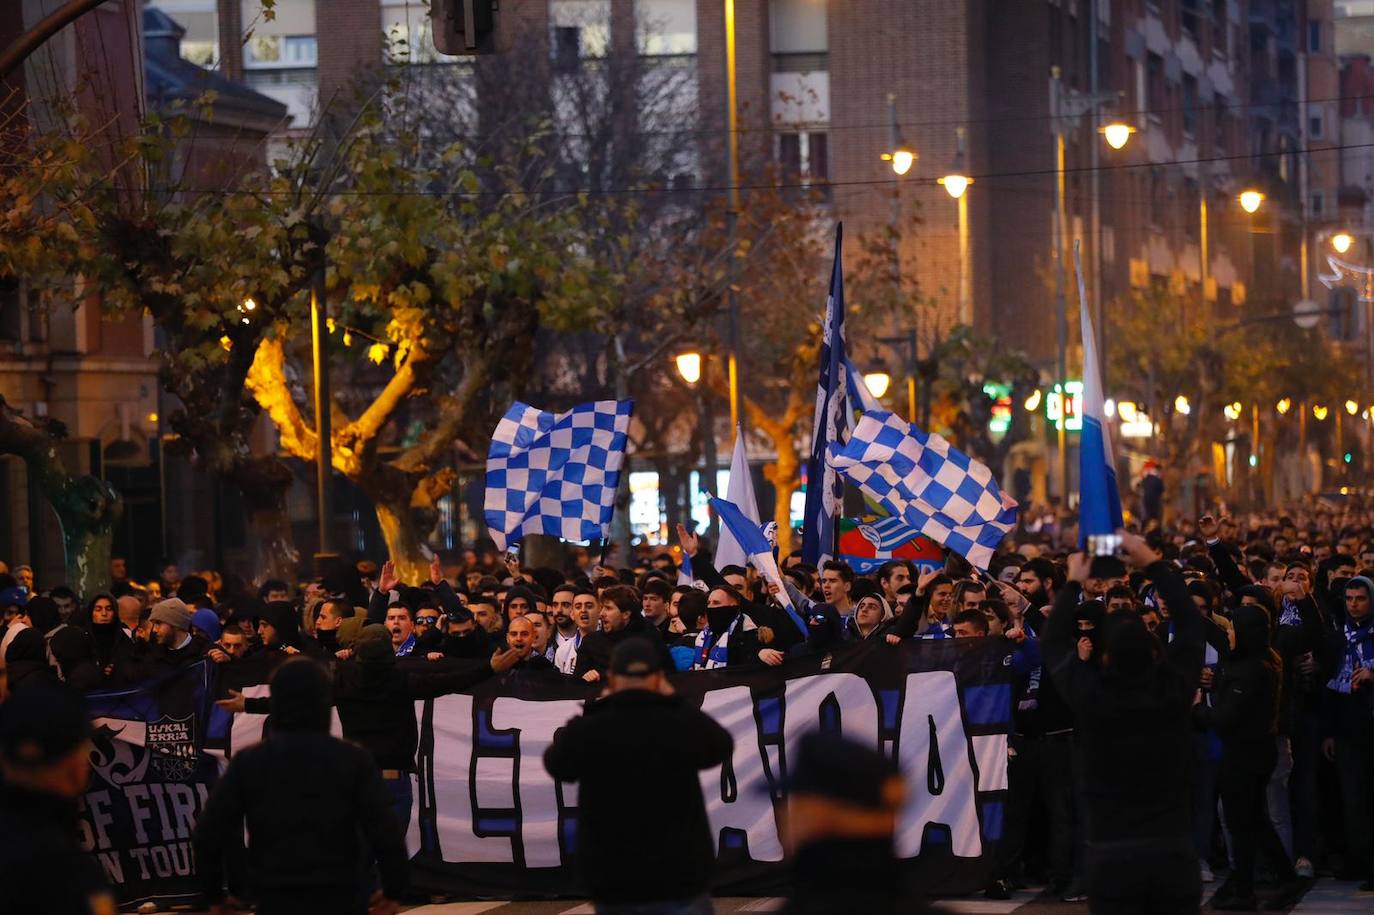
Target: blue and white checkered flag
(931, 485)
(556, 473)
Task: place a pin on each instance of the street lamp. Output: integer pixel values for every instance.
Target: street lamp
(1182, 406)
(955, 184)
(1319, 411)
(877, 382)
(1352, 407)
(1117, 134)
(689, 367)
(902, 158)
(1284, 405)
(1232, 411)
(1250, 200)
(1342, 241)
(1033, 401)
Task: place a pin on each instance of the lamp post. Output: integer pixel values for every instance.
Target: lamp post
(319, 339)
(692, 367)
(956, 184)
(732, 145)
(1067, 107)
(902, 157)
(905, 346)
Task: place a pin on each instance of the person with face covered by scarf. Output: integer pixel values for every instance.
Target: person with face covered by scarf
(112, 646)
(1245, 714)
(1348, 723)
(1133, 741)
(26, 661)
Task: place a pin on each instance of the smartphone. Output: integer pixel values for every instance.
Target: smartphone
(1104, 544)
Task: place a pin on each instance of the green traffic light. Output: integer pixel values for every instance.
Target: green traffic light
(1349, 457)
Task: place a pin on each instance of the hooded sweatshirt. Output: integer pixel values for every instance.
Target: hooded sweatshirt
(1246, 699)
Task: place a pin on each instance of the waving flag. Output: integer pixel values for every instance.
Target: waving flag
(824, 488)
(860, 397)
(931, 485)
(556, 473)
(759, 551)
(741, 492)
(1099, 498)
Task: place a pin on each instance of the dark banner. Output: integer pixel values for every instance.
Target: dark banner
(150, 778)
(491, 822)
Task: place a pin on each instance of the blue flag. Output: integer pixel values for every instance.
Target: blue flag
(824, 488)
(760, 553)
(1099, 498)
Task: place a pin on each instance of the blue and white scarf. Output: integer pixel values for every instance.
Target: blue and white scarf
(1359, 652)
(406, 647)
(1289, 615)
(712, 652)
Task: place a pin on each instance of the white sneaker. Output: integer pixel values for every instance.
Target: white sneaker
(1207, 875)
(1304, 869)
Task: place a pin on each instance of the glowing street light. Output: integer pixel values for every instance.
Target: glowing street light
(1128, 411)
(1182, 406)
(1232, 411)
(689, 367)
(955, 185)
(1342, 242)
(1250, 200)
(877, 382)
(1033, 401)
(902, 158)
(1352, 407)
(1319, 411)
(1284, 405)
(1116, 133)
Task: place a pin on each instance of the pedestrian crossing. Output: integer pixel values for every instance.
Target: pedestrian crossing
(1327, 897)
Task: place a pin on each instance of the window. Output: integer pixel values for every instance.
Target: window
(410, 33)
(581, 30)
(804, 157)
(797, 35)
(1315, 124)
(666, 27)
(1188, 18)
(1314, 35)
(286, 41)
(1190, 104)
(200, 44)
(1154, 84)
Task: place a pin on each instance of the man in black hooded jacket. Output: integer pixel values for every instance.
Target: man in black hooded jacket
(622, 618)
(308, 799)
(1245, 714)
(1133, 736)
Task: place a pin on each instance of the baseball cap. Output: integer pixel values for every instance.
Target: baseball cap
(635, 658)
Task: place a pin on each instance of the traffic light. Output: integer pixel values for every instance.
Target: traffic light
(463, 26)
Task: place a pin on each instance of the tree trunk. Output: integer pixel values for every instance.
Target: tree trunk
(87, 509)
(264, 483)
(397, 521)
(784, 474)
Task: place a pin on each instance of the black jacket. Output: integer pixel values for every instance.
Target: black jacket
(45, 869)
(596, 649)
(624, 749)
(153, 660)
(1133, 734)
(1245, 699)
(376, 703)
(310, 801)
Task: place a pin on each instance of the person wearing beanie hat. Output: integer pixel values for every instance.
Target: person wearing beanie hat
(172, 645)
(301, 788)
(206, 622)
(375, 693)
(45, 753)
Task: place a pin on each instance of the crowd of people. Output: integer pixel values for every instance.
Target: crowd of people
(1210, 688)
